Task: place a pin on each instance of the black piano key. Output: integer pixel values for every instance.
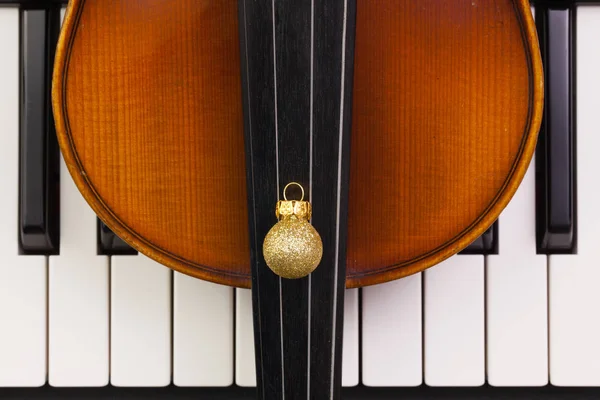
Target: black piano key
(555, 155)
(39, 154)
(110, 244)
(485, 244)
(32, 4)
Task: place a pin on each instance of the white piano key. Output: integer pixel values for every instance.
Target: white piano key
(392, 333)
(574, 279)
(245, 373)
(203, 333)
(78, 296)
(350, 350)
(517, 297)
(78, 319)
(23, 316)
(140, 314)
(454, 343)
(22, 278)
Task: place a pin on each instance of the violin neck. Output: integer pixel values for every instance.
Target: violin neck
(297, 70)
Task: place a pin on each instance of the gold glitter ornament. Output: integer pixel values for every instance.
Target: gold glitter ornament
(293, 248)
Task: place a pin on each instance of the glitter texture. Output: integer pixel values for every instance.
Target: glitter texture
(293, 248)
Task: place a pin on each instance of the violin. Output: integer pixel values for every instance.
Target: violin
(403, 127)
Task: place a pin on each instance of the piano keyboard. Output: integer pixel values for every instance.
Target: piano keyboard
(74, 314)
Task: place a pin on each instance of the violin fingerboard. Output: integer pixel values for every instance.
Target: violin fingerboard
(297, 69)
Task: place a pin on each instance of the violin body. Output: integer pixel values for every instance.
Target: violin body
(446, 107)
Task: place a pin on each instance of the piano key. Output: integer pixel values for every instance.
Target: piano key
(485, 244)
(140, 315)
(516, 285)
(78, 296)
(110, 244)
(245, 368)
(392, 333)
(573, 289)
(32, 3)
(454, 325)
(555, 164)
(22, 277)
(202, 332)
(350, 350)
(39, 201)
(517, 297)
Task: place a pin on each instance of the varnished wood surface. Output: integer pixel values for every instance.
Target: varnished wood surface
(447, 104)
(149, 100)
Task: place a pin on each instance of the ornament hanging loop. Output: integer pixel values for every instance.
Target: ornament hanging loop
(288, 185)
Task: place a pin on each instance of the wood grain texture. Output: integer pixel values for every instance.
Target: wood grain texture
(152, 113)
(447, 100)
(447, 106)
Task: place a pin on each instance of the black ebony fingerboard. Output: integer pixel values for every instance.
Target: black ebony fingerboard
(296, 62)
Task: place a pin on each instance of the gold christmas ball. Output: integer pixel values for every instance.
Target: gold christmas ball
(293, 248)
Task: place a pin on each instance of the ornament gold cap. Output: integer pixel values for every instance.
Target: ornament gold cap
(287, 208)
(299, 208)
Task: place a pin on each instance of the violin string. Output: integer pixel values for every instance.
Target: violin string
(310, 173)
(277, 174)
(339, 183)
